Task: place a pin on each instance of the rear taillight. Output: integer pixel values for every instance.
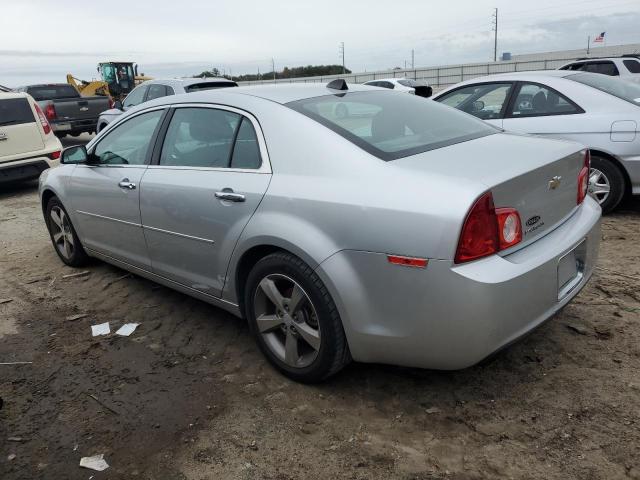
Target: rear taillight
(55, 155)
(488, 230)
(583, 178)
(50, 112)
(509, 227)
(43, 120)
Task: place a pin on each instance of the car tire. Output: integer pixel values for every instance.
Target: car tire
(606, 183)
(307, 318)
(63, 235)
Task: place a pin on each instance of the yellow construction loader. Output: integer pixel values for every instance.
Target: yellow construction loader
(117, 79)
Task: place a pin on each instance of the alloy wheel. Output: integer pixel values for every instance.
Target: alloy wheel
(287, 320)
(599, 185)
(61, 232)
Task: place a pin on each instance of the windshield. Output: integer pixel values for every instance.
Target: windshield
(52, 92)
(390, 125)
(617, 87)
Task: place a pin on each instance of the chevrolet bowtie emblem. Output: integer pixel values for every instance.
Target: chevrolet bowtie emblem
(555, 182)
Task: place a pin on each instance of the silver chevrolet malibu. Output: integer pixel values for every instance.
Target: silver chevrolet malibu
(343, 222)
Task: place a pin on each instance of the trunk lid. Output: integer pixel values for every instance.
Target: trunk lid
(19, 129)
(538, 177)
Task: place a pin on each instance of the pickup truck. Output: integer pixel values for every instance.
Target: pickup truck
(65, 109)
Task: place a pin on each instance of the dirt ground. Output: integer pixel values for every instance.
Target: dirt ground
(189, 396)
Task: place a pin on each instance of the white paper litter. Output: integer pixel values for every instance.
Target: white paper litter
(102, 329)
(97, 462)
(127, 329)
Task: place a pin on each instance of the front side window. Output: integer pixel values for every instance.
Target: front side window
(534, 100)
(200, 137)
(389, 125)
(156, 91)
(135, 97)
(624, 89)
(128, 143)
(484, 101)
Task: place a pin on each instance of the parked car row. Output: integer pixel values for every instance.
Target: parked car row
(336, 237)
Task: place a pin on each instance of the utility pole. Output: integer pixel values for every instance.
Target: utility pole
(341, 52)
(588, 43)
(495, 37)
(413, 59)
(273, 68)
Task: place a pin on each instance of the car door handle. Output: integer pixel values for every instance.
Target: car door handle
(125, 183)
(229, 196)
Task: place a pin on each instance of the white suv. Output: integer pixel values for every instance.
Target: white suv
(626, 66)
(27, 144)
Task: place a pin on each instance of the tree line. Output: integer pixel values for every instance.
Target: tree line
(294, 72)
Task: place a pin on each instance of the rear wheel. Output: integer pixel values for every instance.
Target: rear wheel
(63, 236)
(606, 183)
(294, 319)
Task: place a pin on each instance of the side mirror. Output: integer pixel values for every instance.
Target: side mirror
(74, 155)
(478, 106)
(117, 104)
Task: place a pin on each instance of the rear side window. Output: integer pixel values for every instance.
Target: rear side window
(246, 152)
(200, 137)
(604, 68)
(392, 125)
(632, 65)
(15, 111)
(52, 92)
(533, 100)
(196, 87)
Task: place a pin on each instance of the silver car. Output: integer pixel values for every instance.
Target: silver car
(408, 236)
(157, 88)
(598, 111)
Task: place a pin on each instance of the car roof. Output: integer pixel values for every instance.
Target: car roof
(185, 82)
(292, 92)
(8, 95)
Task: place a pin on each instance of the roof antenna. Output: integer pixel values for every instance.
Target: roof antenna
(338, 84)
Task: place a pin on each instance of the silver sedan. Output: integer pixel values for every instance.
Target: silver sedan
(404, 233)
(596, 110)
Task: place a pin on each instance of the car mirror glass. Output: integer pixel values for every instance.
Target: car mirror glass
(74, 155)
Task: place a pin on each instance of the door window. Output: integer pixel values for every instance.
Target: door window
(200, 137)
(632, 65)
(156, 91)
(484, 101)
(605, 68)
(535, 100)
(128, 143)
(246, 151)
(135, 97)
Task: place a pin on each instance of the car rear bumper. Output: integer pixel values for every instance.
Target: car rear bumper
(452, 316)
(85, 125)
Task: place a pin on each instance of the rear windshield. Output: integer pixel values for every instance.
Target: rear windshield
(626, 90)
(407, 82)
(52, 92)
(196, 87)
(14, 111)
(392, 125)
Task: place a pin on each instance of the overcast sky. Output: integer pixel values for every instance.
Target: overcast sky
(42, 40)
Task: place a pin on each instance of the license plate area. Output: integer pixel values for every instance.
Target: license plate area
(571, 269)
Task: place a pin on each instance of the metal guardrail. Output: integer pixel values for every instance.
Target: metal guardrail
(437, 77)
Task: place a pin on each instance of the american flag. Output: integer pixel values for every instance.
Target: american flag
(599, 38)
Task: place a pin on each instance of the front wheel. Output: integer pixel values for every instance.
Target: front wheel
(63, 235)
(294, 319)
(606, 183)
